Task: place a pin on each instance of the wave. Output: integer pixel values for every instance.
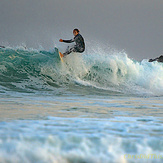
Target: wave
(33, 70)
(69, 140)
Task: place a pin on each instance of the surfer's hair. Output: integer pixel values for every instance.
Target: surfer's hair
(77, 30)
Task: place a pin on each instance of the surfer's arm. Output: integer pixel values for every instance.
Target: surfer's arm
(68, 41)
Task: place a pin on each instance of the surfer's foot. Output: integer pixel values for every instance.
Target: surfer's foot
(61, 55)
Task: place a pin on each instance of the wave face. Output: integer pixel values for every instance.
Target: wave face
(32, 70)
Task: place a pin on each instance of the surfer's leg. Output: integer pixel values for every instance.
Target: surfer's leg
(70, 51)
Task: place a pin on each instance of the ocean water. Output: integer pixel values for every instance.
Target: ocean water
(94, 108)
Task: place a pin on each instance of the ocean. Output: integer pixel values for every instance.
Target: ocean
(91, 108)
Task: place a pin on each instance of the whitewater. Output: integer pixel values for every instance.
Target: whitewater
(100, 106)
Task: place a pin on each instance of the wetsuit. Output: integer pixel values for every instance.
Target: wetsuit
(79, 47)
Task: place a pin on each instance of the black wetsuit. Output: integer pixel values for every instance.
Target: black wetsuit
(79, 47)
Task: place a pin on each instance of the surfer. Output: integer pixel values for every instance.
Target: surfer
(78, 39)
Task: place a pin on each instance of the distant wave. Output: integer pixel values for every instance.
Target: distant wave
(28, 70)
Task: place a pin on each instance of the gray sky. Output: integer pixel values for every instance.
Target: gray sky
(133, 25)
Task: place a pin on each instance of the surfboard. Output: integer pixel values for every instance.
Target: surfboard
(59, 54)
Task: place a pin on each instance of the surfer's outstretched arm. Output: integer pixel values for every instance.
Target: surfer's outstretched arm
(67, 41)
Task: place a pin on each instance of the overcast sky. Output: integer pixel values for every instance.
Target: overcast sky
(133, 25)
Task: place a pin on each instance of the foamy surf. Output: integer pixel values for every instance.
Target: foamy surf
(29, 70)
(54, 141)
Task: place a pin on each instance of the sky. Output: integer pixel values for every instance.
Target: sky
(135, 26)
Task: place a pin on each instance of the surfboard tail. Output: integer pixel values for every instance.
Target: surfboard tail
(60, 55)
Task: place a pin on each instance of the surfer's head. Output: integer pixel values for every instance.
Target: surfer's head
(76, 31)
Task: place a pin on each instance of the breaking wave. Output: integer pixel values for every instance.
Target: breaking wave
(31, 70)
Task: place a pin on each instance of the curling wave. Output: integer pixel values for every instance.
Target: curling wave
(33, 70)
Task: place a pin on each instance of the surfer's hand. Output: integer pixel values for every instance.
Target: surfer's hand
(60, 40)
